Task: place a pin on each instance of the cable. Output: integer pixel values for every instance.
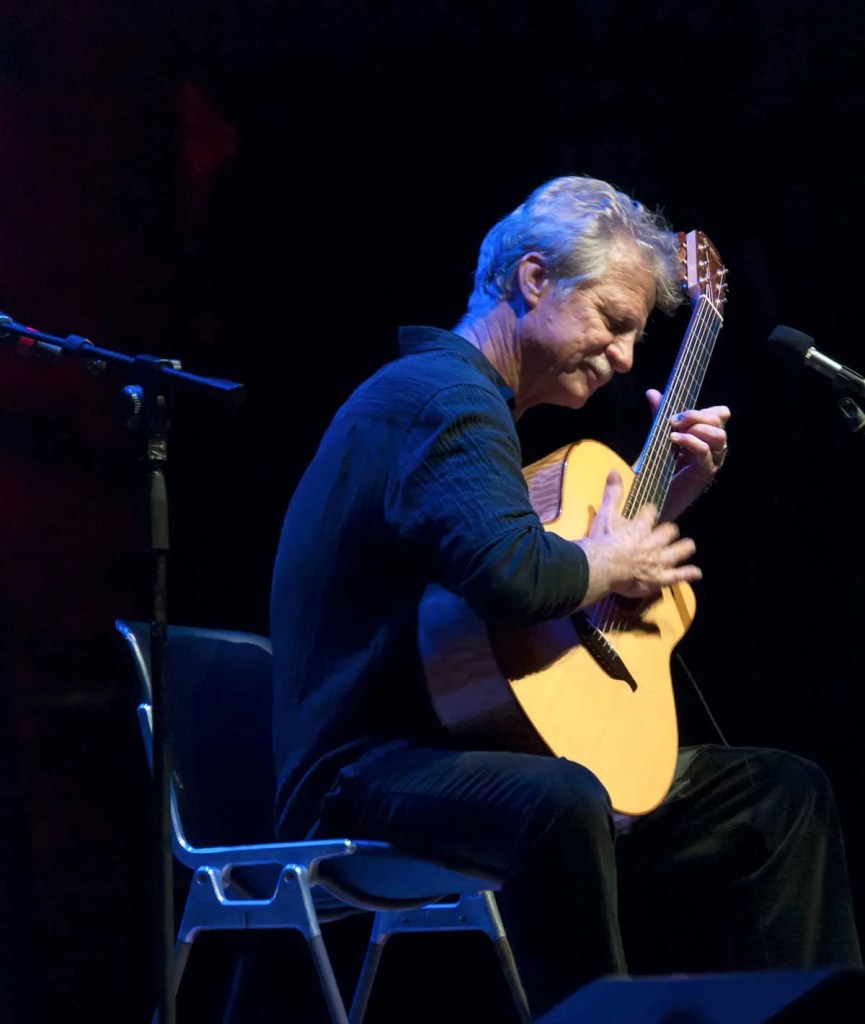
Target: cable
(699, 693)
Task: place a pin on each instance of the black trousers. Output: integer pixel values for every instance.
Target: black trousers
(741, 868)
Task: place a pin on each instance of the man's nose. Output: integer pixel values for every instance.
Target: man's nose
(621, 355)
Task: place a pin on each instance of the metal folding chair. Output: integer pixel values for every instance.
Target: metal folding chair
(218, 709)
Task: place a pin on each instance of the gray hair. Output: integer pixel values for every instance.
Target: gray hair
(574, 222)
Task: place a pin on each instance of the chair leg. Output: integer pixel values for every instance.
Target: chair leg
(496, 931)
(478, 912)
(367, 976)
(329, 987)
(512, 977)
(181, 956)
(294, 890)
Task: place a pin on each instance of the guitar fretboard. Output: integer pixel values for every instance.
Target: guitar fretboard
(657, 463)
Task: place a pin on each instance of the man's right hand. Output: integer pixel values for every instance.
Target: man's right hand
(633, 557)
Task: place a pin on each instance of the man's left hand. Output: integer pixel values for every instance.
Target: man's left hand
(700, 436)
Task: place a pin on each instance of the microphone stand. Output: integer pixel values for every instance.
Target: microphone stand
(152, 384)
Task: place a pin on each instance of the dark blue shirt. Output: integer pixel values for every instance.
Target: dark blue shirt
(418, 479)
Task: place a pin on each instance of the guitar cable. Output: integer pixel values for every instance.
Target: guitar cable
(702, 699)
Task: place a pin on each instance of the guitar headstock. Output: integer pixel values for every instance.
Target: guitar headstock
(703, 273)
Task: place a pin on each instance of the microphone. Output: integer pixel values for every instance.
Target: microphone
(841, 376)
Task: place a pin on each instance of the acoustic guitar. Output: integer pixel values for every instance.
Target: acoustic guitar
(594, 686)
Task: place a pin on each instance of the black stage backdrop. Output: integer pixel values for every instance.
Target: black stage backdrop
(266, 191)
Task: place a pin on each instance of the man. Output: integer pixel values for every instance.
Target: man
(418, 480)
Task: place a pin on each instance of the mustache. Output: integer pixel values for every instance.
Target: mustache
(600, 367)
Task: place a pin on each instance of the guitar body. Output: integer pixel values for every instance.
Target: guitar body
(593, 687)
(537, 688)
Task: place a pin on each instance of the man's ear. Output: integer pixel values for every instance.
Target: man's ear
(532, 278)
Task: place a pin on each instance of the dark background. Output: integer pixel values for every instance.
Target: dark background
(266, 191)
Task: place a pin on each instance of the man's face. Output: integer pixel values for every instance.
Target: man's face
(573, 344)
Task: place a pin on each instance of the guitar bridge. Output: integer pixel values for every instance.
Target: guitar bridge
(600, 648)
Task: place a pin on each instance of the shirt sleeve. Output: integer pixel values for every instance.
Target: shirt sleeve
(458, 496)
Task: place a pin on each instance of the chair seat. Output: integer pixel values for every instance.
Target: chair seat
(380, 875)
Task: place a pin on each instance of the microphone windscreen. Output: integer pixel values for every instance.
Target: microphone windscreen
(792, 338)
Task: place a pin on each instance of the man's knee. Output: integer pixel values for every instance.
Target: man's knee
(794, 784)
(567, 794)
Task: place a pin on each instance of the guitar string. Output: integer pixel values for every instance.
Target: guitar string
(659, 454)
(652, 485)
(659, 451)
(658, 458)
(707, 324)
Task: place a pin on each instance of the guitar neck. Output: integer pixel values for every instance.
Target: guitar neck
(657, 462)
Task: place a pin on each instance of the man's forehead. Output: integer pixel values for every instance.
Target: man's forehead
(626, 289)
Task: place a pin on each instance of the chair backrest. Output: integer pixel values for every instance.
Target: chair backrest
(218, 706)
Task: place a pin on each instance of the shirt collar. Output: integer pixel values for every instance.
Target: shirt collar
(415, 339)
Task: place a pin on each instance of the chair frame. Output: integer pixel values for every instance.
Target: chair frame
(304, 897)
